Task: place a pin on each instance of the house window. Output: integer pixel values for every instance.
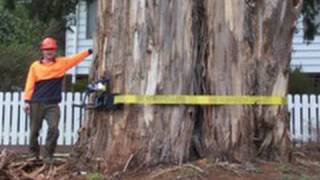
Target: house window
(91, 18)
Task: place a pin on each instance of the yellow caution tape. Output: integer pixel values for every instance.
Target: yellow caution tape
(199, 100)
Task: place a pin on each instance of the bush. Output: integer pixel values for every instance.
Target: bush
(19, 38)
(14, 64)
(95, 176)
(15, 28)
(303, 83)
(80, 85)
(22, 27)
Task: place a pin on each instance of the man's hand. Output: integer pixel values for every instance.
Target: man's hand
(26, 108)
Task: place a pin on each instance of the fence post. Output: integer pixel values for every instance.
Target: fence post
(1, 117)
(68, 123)
(297, 118)
(61, 138)
(313, 118)
(305, 118)
(77, 114)
(23, 125)
(7, 118)
(14, 118)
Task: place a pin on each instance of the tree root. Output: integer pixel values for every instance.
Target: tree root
(232, 167)
(199, 171)
(165, 171)
(307, 163)
(128, 162)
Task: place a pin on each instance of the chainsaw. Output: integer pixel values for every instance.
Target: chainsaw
(104, 98)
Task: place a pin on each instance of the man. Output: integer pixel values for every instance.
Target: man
(43, 94)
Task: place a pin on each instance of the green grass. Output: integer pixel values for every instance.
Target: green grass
(285, 169)
(95, 176)
(295, 177)
(287, 177)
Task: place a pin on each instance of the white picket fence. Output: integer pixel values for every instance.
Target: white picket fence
(304, 117)
(14, 124)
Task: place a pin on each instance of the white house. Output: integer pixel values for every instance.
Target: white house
(305, 56)
(80, 36)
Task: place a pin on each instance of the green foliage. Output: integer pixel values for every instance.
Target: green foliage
(295, 177)
(80, 85)
(54, 14)
(287, 177)
(54, 9)
(95, 176)
(19, 38)
(45, 11)
(285, 169)
(20, 34)
(9, 4)
(15, 29)
(1, 4)
(309, 12)
(51, 15)
(302, 83)
(14, 62)
(304, 177)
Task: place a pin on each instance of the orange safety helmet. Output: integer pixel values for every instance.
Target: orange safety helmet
(49, 43)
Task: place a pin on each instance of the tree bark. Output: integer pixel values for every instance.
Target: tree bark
(180, 47)
(248, 53)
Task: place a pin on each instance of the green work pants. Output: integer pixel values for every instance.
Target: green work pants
(51, 113)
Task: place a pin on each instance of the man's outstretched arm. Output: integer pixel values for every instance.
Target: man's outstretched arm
(71, 61)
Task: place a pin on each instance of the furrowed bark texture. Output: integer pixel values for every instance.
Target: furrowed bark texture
(181, 47)
(248, 53)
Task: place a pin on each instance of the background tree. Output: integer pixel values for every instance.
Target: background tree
(18, 47)
(53, 15)
(309, 14)
(23, 25)
(191, 47)
(302, 83)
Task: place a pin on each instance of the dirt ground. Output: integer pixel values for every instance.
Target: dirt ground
(306, 166)
(265, 170)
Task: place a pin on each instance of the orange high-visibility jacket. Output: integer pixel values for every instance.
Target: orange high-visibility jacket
(44, 81)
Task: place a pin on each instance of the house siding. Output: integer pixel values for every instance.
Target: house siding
(76, 40)
(305, 56)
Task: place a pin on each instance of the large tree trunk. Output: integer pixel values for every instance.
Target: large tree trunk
(248, 53)
(230, 47)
